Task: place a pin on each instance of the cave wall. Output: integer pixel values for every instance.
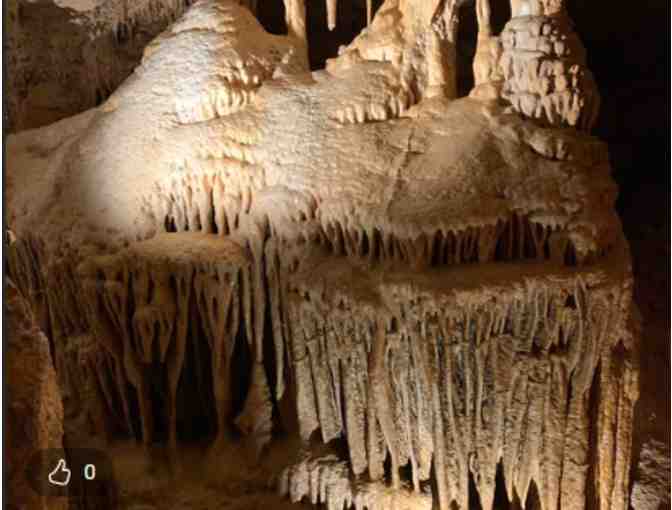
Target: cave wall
(34, 413)
(65, 57)
(628, 52)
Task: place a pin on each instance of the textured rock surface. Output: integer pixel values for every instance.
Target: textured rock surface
(326, 480)
(439, 286)
(652, 477)
(66, 57)
(34, 413)
(455, 375)
(545, 72)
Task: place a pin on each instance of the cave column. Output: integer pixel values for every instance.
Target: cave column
(485, 59)
(295, 16)
(442, 54)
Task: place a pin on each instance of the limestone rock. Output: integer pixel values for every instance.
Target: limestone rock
(651, 488)
(34, 416)
(66, 56)
(545, 73)
(439, 284)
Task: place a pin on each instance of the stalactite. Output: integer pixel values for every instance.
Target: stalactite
(436, 68)
(120, 381)
(355, 396)
(376, 448)
(357, 307)
(295, 14)
(515, 237)
(380, 393)
(525, 360)
(332, 7)
(325, 480)
(488, 384)
(256, 418)
(328, 412)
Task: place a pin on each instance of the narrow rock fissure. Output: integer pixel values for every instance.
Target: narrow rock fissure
(466, 44)
(271, 15)
(195, 400)
(474, 498)
(241, 368)
(533, 500)
(501, 500)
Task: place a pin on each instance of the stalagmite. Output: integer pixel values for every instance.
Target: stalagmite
(255, 420)
(430, 296)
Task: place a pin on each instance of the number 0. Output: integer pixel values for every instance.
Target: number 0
(90, 471)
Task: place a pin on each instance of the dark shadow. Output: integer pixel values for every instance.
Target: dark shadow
(271, 15)
(324, 43)
(467, 34)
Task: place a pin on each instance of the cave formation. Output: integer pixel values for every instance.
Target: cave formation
(388, 269)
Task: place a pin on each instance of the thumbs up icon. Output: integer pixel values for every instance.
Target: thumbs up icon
(60, 475)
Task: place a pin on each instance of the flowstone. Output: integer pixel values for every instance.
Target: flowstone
(433, 293)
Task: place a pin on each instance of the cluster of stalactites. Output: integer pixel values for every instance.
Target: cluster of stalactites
(452, 393)
(224, 204)
(295, 11)
(427, 389)
(139, 311)
(326, 480)
(537, 64)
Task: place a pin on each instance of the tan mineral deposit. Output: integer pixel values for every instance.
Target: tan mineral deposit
(346, 286)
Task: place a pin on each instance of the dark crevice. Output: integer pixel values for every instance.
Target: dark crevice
(169, 224)
(500, 14)
(324, 43)
(365, 244)
(387, 467)
(570, 255)
(501, 501)
(474, 499)
(467, 33)
(157, 383)
(241, 366)
(195, 396)
(271, 15)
